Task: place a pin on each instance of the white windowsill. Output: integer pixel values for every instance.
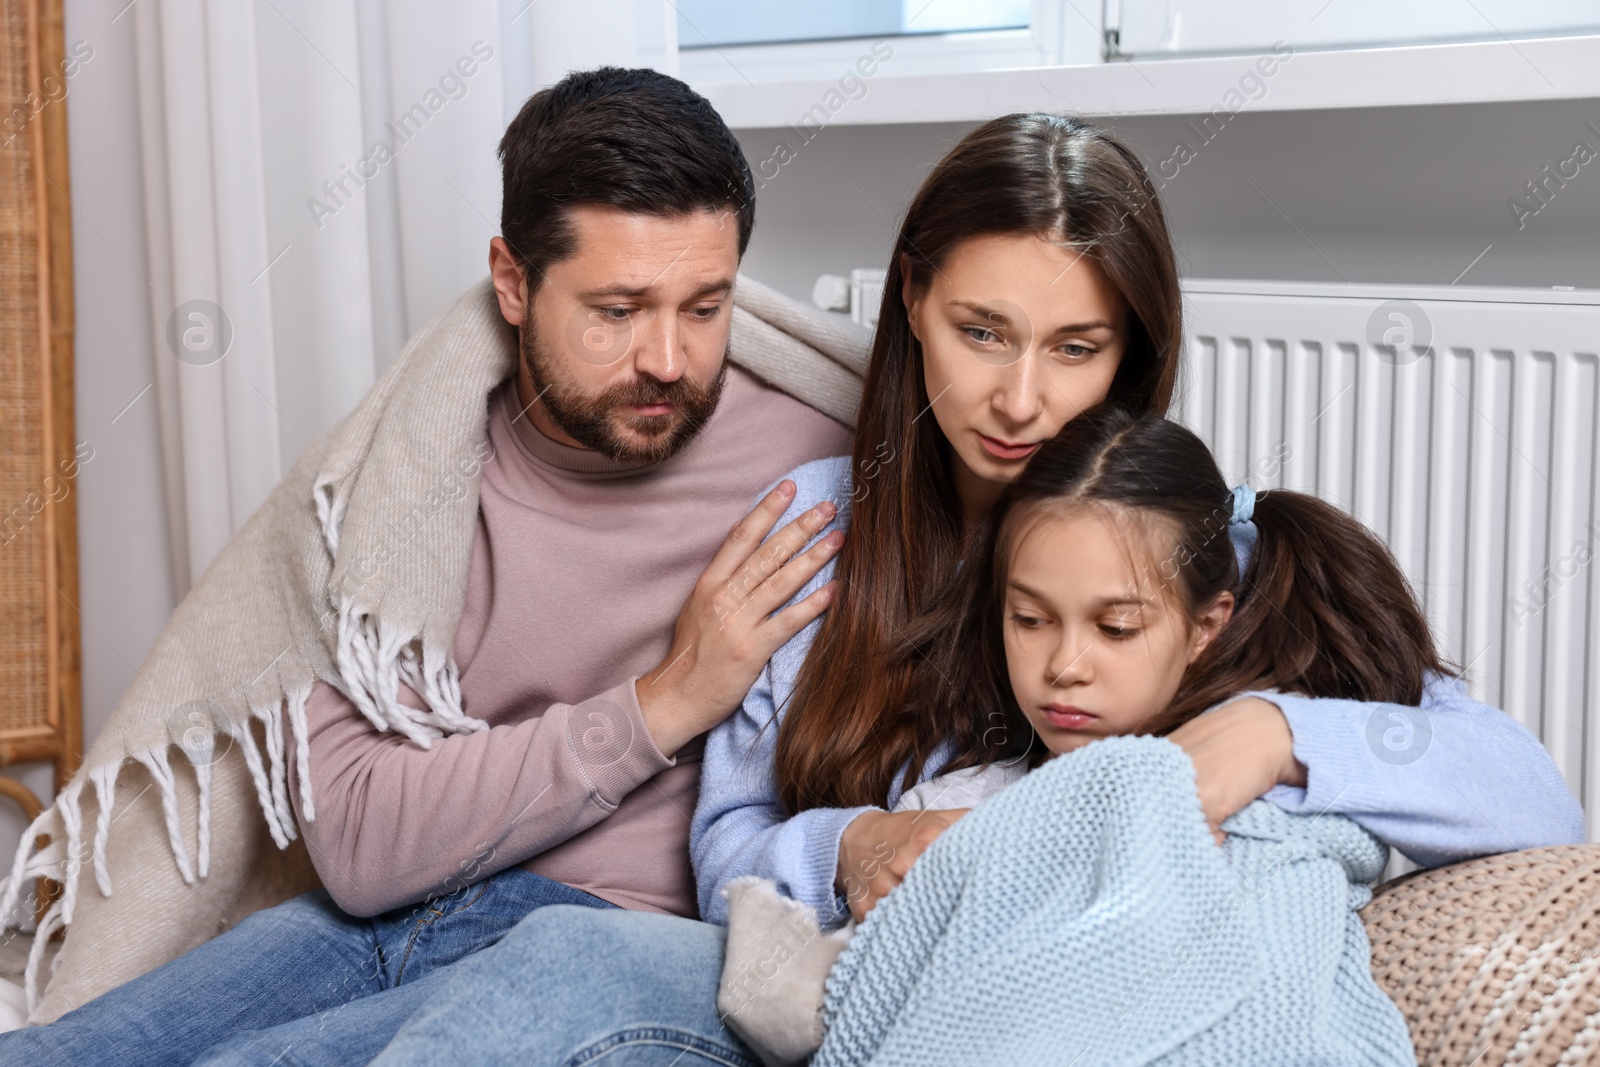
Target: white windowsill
(1558, 68)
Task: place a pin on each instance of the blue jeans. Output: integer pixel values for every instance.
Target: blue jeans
(297, 985)
(569, 986)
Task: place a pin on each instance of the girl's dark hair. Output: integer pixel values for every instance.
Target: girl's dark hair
(634, 139)
(1322, 608)
(850, 728)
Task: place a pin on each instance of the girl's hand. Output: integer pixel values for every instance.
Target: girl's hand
(879, 847)
(1240, 750)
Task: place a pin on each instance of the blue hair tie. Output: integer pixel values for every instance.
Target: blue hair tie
(1244, 503)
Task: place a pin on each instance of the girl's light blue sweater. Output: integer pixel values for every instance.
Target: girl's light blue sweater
(1442, 782)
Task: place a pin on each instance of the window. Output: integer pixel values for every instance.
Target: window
(1151, 29)
(745, 41)
(717, 23)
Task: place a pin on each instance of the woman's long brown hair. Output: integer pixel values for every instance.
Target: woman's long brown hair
(855, 722)
(1322, 608)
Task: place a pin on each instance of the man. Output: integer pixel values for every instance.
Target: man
(596, 642)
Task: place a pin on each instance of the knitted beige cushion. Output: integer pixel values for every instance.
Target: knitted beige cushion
(1497, 960)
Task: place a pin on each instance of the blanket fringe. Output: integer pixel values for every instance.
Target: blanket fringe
(105, 794)
(331, 505)
(302, 749)
(30, 862)
(201, 748)
(161, 771)
(374, 657)
(48, 926)
(24, 865)
(272, 721)
(62, 861)
(72, 817)
(202, 777)
(252, 760)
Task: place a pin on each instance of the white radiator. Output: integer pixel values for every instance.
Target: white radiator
(1460, 426)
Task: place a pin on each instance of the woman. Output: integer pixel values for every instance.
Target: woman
(1032, 278)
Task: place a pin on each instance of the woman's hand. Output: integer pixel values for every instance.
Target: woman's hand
(1240, 750)
(879, 847)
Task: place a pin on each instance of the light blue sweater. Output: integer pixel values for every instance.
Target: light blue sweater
(1085, 916)
(1444, 782)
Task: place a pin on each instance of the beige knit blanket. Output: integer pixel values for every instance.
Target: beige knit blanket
(351, 572)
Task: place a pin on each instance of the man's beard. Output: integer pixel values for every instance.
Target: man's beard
(594, 421)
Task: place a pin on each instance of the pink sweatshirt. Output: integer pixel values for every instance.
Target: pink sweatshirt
(579, 569)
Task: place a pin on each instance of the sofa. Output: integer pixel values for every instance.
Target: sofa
(1495, 960)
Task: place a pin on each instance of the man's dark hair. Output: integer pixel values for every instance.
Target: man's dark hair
(634, 139)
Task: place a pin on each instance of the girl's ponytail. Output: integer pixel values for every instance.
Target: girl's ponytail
(1322, 609)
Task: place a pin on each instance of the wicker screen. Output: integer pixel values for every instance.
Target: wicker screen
(39, 712)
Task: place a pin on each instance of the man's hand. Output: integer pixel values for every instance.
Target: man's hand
(1240, 751)
(727, 631)
(879, 847)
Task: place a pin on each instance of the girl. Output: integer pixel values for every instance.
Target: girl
(1106, 599)
(1032, 278)
(1112, 549)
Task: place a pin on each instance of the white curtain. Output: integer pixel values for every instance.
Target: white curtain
(324, 173)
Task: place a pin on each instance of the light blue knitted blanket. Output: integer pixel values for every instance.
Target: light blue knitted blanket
(1085, 916)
